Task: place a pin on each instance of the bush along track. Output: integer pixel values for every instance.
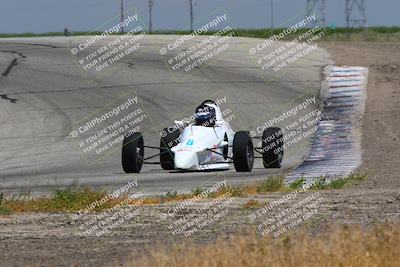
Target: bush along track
(76, 199)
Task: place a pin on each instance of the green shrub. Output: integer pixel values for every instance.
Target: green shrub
(272, 184)
(298, 184)
(198, 190)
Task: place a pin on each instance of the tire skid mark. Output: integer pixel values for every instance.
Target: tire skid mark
(7, 71)
(13, 62)
(336, 147)
(12, 100)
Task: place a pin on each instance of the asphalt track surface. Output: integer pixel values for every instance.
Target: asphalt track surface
(43, 93)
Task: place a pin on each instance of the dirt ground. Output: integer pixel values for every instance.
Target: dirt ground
(55, 239)
(381, 123)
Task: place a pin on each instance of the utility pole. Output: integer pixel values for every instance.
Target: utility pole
(317, 7)
(272, 14)
(122, 15)
(151, 3)
(191, 15)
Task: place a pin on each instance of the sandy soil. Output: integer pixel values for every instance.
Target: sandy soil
(55, 239)
(381, 123)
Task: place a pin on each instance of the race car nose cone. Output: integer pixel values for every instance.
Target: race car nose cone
(185, 159)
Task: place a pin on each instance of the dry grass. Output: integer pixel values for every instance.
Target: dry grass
(252, 203)
(341, 246)
(71, 199)
(76, 199)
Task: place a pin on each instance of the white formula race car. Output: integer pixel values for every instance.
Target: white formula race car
(209, 143)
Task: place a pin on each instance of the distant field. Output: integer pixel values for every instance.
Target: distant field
(371, 34)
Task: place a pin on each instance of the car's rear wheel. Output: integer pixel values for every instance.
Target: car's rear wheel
(169, 138)
(132, 153)
(272, 147)
(243, 153)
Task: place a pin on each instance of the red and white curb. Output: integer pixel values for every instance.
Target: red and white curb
(336, 147)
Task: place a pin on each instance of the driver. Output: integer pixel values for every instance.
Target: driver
(205, 116)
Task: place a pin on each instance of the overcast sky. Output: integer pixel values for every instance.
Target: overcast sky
(39, 16)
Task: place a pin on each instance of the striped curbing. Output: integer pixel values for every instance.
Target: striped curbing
(336, 147)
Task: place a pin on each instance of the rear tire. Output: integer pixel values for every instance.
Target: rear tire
(170, 139)
(243, 153)
(132, 153)
(272, 147)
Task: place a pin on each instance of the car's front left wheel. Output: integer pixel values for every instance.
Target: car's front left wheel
(132, 153)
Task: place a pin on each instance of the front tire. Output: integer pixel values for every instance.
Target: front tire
(272, 147)
(243, 153)
(132, 153)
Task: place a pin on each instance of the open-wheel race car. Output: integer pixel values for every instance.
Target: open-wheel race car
(209, 143)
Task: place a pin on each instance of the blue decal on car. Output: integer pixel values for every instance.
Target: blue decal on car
(190, 142)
